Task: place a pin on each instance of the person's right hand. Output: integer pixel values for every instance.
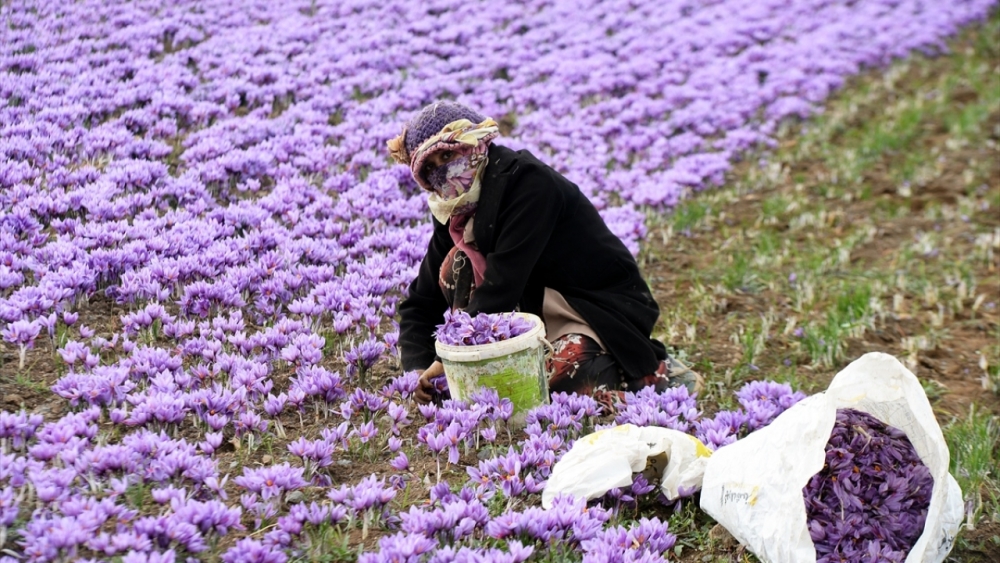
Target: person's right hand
(425, 388)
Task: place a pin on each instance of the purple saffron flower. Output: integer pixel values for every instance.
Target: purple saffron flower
(400, 462)
(249, 550)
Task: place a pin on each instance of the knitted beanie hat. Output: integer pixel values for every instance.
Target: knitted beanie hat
(433, 118)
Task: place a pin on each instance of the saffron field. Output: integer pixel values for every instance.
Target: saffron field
(203, 243)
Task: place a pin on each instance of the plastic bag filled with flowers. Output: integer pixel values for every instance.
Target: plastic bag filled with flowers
(773, 489)
(870, 500)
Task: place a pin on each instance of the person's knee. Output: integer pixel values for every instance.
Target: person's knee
(591, 374)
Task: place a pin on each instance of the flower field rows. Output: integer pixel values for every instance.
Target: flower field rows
(217, 171)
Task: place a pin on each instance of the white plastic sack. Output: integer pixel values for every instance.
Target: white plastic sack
(607, 459)
(753, 487)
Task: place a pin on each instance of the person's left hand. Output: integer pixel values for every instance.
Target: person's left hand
(425, 388)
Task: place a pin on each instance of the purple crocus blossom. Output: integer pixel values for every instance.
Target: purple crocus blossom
(271, 481)
(648, 540)
(761, 402)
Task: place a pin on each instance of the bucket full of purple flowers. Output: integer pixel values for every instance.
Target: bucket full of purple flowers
(503, 351)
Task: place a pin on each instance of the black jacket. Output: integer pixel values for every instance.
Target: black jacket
(537, 230)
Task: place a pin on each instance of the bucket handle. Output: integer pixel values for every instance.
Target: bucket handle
(549, 350)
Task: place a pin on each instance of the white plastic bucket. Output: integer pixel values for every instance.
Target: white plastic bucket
(515, 368)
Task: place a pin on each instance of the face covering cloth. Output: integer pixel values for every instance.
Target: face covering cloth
(454, 185)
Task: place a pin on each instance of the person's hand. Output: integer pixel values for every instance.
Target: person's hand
(425, 388)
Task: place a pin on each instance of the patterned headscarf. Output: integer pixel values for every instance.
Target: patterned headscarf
(455, 185)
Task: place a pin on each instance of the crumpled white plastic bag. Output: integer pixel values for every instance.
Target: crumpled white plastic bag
(607, 459)
(753, 487)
